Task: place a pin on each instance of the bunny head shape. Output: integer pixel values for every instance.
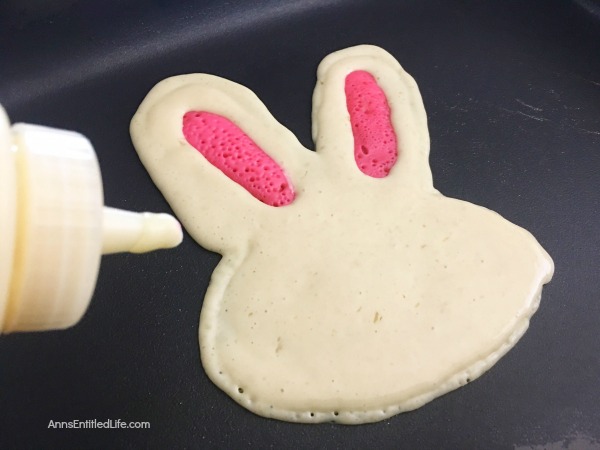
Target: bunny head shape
(349, 289)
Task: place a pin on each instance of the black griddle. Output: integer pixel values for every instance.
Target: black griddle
(512, 93)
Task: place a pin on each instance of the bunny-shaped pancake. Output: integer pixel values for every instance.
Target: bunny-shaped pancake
(349, 289)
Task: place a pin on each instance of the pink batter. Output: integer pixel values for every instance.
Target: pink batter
(228, 148)
(375, 144)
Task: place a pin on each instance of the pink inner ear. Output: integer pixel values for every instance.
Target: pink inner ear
(229, 149)
(375, 143)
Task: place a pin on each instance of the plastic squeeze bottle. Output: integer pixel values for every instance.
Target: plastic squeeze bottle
(54, 227)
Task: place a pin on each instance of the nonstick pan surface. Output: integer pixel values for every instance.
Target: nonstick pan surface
(512, 93)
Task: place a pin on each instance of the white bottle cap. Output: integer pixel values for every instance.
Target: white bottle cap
(8, 202)
(54, 227)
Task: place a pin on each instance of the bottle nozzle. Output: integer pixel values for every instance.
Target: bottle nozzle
(126, 231)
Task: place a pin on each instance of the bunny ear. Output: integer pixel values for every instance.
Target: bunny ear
(218, 156)
(365, 101)
(375, 143)
(228, 148)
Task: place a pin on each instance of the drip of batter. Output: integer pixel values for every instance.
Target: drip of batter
(351, 293)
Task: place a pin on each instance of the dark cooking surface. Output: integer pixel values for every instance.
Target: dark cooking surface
(512, 92)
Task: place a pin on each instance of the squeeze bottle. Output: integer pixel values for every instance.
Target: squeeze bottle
(54, 227)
